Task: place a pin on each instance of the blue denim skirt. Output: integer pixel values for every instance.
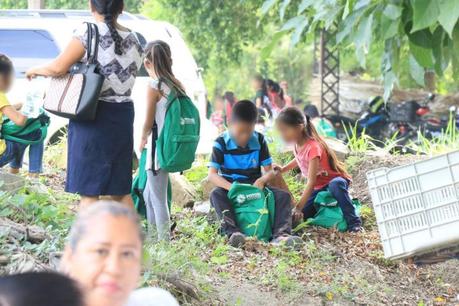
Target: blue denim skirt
(100, 152)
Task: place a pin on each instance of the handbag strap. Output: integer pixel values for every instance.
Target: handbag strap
(92, 34)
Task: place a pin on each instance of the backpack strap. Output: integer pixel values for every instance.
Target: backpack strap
(154, 138)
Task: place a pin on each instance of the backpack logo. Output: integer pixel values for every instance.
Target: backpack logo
(187, 121)
(240, 199)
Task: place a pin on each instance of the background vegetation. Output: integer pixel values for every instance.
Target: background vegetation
(396, 41)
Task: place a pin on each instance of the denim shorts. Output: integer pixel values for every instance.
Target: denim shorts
(14, 155)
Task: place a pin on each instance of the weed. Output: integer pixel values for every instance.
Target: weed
(359, 142)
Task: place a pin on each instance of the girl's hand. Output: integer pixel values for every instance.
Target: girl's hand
(298, 215)
(278, 168)
(143, 143)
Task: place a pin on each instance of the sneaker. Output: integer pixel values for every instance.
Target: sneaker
(237, 240)
(356, 229)
(293, 242)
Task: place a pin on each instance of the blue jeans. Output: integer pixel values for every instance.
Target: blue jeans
(338, 187)
(35, 158)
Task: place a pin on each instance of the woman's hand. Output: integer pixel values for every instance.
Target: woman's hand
(31, 74)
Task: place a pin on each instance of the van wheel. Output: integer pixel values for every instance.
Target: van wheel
(58, 136)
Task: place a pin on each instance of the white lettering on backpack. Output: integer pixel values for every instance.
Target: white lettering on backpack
(188, 121)
(242, 198)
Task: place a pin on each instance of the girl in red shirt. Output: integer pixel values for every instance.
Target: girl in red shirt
(319, 164)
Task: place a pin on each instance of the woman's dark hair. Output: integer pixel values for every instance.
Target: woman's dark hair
(270, 83)
(6, 66)
(110, 9)
(159, 54)
(293, 117)
(245, 111)
(229, 96)
(39, 289)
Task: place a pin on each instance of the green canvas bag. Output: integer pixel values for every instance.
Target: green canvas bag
(138, 187)
(254, 210)
(329, 214)
(12, 132)
(176, 145)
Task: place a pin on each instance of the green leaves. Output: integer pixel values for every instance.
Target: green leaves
(267, 5)
(449, 14)
(283, 8)
(425, 13)
(423, 29)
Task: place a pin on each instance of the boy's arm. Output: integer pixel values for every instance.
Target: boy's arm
(269, 176)
(14, 115)
(217, 180)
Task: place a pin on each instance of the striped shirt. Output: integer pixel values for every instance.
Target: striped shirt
(237, 164)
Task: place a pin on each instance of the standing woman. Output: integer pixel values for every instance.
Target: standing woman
(100, 151)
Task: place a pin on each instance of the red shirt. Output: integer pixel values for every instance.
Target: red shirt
(310, 150)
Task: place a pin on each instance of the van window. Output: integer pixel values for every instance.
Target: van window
(27, 48)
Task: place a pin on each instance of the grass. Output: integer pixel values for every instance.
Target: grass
(447, 141)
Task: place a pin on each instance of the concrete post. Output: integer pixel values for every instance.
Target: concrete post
(36, 4)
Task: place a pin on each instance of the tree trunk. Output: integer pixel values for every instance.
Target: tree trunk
(36, 4)
(430, 80)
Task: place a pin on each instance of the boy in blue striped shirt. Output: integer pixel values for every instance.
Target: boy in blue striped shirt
(240, 155)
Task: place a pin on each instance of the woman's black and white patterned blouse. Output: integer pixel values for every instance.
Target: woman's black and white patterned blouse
(120, 71)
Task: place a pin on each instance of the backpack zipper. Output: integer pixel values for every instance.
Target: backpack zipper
(61, 101)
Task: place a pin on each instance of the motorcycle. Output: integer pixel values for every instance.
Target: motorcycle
(371, 122)
(409, 118)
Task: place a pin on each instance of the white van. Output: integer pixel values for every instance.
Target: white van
(34, 37)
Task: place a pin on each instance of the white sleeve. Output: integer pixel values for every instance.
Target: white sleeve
(81, 33)
(151, 297)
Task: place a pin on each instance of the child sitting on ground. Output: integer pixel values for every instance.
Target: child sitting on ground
(9, 150)
(239, 156)
(319, 164)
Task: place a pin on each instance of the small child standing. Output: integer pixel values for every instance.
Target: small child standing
(9, 151)
(319, 164)
(239, 155)
(158, 63)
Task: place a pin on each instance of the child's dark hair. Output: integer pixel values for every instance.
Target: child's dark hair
(245, 111)
(229, 96)
(110, 9)
(261, 118)
(6, 66)
(293, 117)
(260, 79)
(159, 54)
(39, 289)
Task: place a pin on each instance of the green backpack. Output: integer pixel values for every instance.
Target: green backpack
(176, 145)
(12, 132)
(254, 210)
(329, 214)
(325, 129)
(138, 187)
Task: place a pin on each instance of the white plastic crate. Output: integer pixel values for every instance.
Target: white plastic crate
(417, 205)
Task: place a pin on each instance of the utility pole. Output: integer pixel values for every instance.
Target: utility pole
(36, 4)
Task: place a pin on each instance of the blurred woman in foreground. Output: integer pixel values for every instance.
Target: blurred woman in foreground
(104, 254)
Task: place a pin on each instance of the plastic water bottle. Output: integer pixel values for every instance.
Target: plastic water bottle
(34, 99)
